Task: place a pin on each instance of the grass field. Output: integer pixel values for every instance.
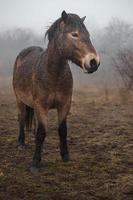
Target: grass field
(101, 147)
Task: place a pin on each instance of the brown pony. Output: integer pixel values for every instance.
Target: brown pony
(42, 80)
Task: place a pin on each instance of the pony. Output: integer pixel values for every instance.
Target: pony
(42, 80)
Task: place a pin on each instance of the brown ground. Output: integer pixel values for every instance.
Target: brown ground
(101, 147)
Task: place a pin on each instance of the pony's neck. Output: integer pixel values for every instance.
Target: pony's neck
(55, 61)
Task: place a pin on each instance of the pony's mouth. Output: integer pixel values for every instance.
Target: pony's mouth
(89, 70)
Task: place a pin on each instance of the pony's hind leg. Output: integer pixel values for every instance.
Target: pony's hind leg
(62, 130)
(21, 120)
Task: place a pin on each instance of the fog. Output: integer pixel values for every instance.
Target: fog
(37, 14)
(23, 23)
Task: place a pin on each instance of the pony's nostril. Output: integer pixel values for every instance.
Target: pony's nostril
(93, 63)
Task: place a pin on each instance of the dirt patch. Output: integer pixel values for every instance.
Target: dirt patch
(101, 147)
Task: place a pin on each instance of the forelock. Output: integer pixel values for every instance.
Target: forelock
(74, 21)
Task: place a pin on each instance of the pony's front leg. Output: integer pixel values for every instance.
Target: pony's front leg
(62, 130)
(41, 115)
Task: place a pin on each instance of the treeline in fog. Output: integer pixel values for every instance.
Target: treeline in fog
(11, 43)
(113, 42)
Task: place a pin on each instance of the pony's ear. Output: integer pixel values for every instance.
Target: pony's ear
(64, 16)
(83, 18)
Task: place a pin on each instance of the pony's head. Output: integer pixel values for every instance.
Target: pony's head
(72, 39)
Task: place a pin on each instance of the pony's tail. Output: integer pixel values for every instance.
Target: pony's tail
(29, 117)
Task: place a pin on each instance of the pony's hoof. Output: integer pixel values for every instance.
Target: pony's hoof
(66, 158)
(34, 170)
(21, 147)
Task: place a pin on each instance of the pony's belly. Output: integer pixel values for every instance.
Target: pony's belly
(25, 97)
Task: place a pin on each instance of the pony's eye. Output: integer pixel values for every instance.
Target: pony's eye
(75, 35)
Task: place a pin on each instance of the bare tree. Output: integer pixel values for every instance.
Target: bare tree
(124, 66)
(117, 35)
(117, 48)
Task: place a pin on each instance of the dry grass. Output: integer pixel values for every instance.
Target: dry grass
(101, 146)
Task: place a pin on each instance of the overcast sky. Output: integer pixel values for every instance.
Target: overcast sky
(37, 14)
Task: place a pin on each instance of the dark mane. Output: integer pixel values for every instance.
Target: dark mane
(52, 29)
(73, 20)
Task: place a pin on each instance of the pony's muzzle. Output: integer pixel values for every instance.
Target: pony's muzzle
(91, 63)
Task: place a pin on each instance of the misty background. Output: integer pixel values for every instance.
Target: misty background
(110, 23)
